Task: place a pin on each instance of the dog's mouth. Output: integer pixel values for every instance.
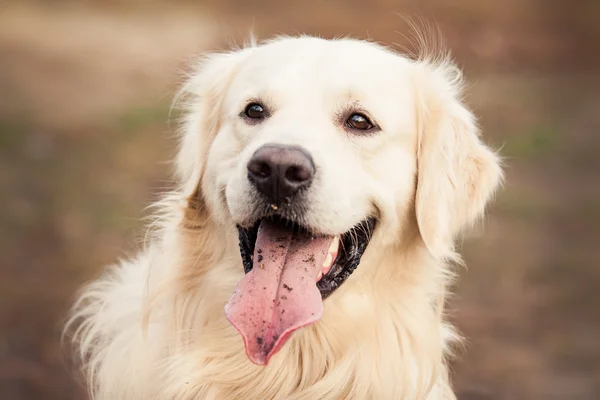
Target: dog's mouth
(289, 270)
(345, 250)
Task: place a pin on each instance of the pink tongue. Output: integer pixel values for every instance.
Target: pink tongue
(279, 294)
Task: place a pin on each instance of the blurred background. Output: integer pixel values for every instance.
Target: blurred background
(85, 140)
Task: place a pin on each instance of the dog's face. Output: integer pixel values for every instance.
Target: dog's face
(308, 146)
(345, 107)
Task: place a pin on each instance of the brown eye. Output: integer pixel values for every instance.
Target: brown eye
(359, 122)
(254, 111)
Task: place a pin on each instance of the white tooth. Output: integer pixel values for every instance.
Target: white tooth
(328, 260)
(334, 245)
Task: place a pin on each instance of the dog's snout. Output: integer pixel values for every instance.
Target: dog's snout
(279, 171)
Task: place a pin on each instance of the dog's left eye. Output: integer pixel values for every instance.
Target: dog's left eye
(254, 111)
(359, 122)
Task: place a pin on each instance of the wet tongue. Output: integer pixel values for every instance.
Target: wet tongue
(279, 294)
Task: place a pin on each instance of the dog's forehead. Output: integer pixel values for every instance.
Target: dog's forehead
(313, 63)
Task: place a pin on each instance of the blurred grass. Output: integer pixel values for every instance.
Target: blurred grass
(12, 132)
(537, 141)
(141, 117)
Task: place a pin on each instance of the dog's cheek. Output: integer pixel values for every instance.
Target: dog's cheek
(238, 201)
(338, 198)
(394, 174)
(220, 167)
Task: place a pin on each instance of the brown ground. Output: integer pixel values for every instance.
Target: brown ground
(84, 95)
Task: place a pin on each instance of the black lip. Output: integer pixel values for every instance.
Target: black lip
(353, 245)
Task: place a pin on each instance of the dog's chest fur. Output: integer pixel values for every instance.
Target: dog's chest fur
(380, 338)
(357, 351)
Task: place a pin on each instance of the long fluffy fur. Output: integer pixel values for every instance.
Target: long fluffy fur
(153, 328)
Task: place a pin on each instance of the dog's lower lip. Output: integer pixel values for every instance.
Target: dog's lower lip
(353, 245)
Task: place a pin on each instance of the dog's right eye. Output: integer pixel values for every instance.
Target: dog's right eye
(359, 122)
(254, 111)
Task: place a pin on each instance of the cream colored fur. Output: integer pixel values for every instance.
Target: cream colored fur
(153, 327)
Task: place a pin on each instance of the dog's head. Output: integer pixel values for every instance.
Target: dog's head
(310, 147)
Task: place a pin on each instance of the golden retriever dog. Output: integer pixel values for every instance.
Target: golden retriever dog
(306, 251)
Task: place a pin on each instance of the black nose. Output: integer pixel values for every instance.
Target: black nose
(280, 171)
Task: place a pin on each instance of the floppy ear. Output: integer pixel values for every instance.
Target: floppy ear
(202, 98)
(457, 174)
